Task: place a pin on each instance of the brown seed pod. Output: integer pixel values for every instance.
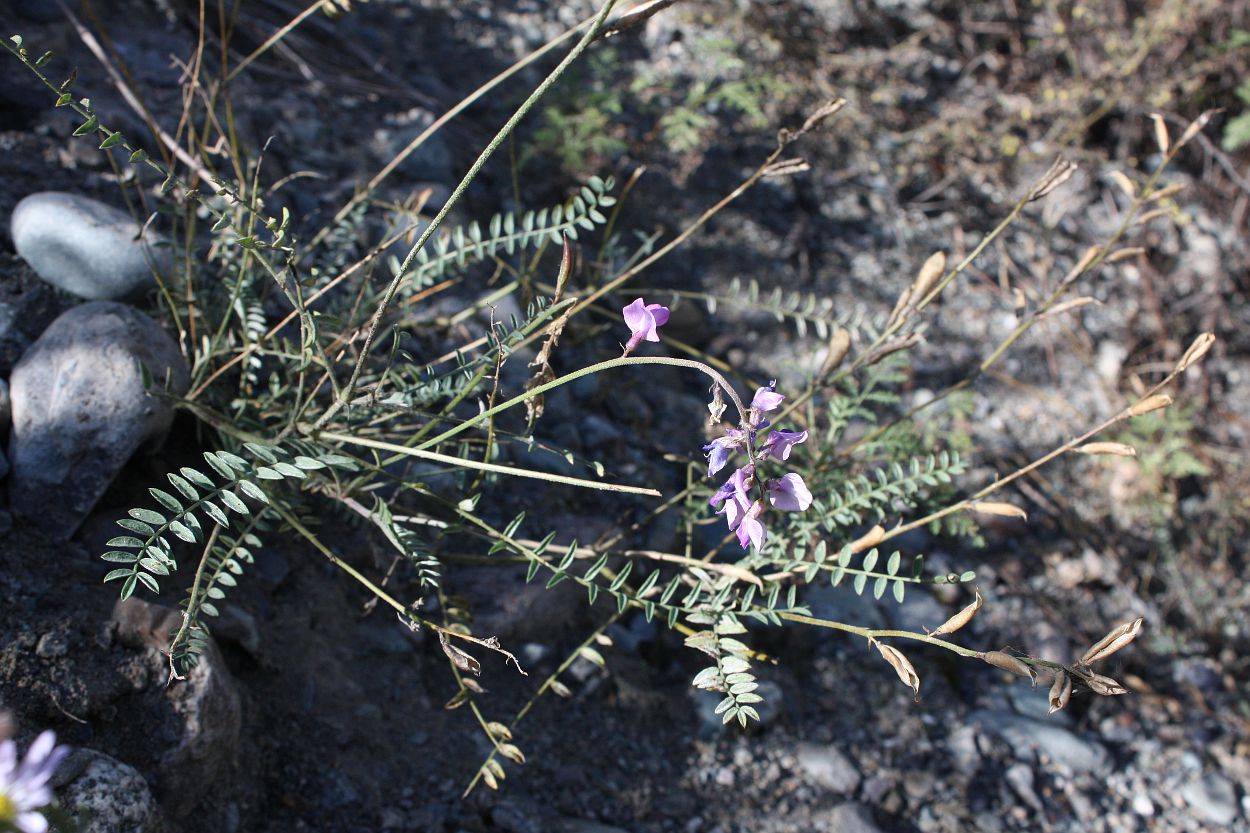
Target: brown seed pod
(1150, 403)
(1007, 662)
(1196, 351)
(1161, 134)
(839, 346)
(1118, 449)
(1060, 691)
(901, 666)
(1060, 172)
(869, 539)
(1105, 686)
(1113, 641)
(961, 618)
(998, 507)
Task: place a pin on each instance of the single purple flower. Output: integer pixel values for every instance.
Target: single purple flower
(643, 319)
(766, 399)
(751, 528)
(24, 787)
(779, 443)
(737, 486)
(721, 449)
(789, 493)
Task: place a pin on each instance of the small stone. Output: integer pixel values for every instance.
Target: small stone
(1019, 777)
(80, 411)
(828, 767)
(51, 645)
(851, 817)
(85, 247)
(1028, 737)
(1212, 798)
(109, 796)
(1142, 805)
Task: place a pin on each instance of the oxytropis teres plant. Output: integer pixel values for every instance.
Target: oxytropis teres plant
(306, 411)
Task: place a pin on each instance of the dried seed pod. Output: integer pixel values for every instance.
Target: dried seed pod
(488, 779)
(1153, 214)
(561, 689)
(839, 346)
(1067, 306)
(1118, 449)
(1007, 662)
(1060, 172)
(1194, 127)
(1202, 344)
(1105, 686)
(1161, 134)
(933, 269)
(1113, 641)
(1150, 403)
(901, 666)
(499, 730)
(1060, 691)
(1081, 265)
(1124, 254)
(961, 618)
(1125, 184)
(1002, 508)
(869, 539)
(512, 753)
(460, 658)
(1168, 191)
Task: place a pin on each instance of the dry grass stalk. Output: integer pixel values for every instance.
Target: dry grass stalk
(1113, 641)
(901, 665)
(1007, 662)
(1060, 691)
(1118, 449)
(1150, 403)
(1001, 508)
(961, 618)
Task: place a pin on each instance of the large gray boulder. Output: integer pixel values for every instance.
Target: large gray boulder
(80, 410)
(85, 247)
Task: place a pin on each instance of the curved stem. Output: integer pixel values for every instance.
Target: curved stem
(586, 371)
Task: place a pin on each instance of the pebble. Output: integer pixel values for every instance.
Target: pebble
(828, 767)
(1142, 805)
(109, 796)
(1212, 798)
(80, 411)
(51, 645)
(851, 817)
(85, 247)
(1027, 737)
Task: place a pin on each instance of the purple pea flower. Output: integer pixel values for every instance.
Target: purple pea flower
(779, 443)
(643, 319)
(789, 493)
(766, 399)
(24, 787)
(751, 528)
(721, 449)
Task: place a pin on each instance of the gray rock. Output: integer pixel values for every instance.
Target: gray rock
(6, 406)
(206, 706)
(80, 410)
(85, 247)
(109, 796)
(1212, 798)
(1027, 737)
(851, 817)
(918, 611)
(431, 161)
(828, 767)
(583, 826)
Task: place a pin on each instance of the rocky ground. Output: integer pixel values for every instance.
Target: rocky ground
(315, 713)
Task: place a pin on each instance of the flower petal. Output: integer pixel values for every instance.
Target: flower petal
(789, 494)
(636, 317)
(767, 399)
(659, 313)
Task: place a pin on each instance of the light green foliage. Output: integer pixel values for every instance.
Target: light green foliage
(1237, 131)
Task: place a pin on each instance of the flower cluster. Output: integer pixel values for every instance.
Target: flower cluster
(24, 787)
(735, 499)
(788, 493)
